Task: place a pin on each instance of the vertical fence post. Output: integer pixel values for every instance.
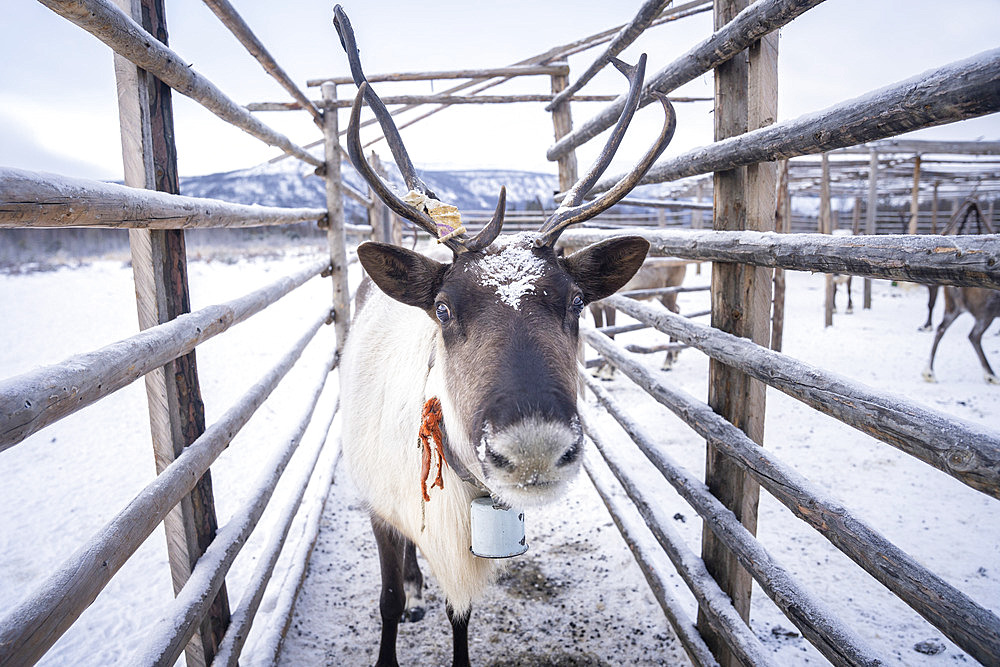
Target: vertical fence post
(159, 264)
(746, 99)
(915, 196)
(826, 227)
(934, 208)
(335, 214)
(562, 122)
(870, 218)
(781, 224)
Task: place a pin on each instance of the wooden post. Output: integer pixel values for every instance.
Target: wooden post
(934, 208)
(746, 98)
(335, 217)
(826, 227)
(781, 224)
(159, 265)
(562, 122)
(856, 217)
(915, 196)
(870, 219)
(385, 224)
(697, 221)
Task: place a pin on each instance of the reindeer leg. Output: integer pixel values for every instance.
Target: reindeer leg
(850, 303)
(460, 637)
(413, 585)
(976, 338)
(931, 300)
(669, 301)
(949, 317)
(606, 371)
(391, 555)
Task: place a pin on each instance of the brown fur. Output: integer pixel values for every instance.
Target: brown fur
(984, 305)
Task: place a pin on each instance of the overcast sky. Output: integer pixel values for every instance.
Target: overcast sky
(57, 91)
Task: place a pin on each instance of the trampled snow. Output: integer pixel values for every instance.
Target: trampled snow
(577, 591)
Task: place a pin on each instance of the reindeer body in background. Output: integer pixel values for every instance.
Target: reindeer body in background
(478, 356)
(984, 305)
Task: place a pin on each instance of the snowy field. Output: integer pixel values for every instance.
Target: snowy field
(576, 597)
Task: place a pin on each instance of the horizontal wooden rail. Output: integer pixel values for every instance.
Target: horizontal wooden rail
(452, 99)
(967, 261)
(711, 599)
(635, 535)
(973, 628)
(242, 618)
(757, 20)
(232, 20)
(165, 640)
(33, 626)
(814, 619)
(127, 38)
(33, 199)
(39, 397)
(486, 73)
(967, 451)
(963, 89)
(657, 291)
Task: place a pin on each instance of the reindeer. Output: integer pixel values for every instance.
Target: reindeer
(468, 367)
(984, 305)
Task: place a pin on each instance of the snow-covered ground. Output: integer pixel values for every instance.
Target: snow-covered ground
(576, 597)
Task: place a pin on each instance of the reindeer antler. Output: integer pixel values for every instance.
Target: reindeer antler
(458, 243)
(572, 209)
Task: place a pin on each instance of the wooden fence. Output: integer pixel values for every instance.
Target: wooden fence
(741, 246)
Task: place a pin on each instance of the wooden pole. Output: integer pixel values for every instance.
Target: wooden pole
(746, 98)
(781, 224)
(915, 196)
(159, 264)
(335, 216)
(870, 218)
(697, 219)
(562, 123)
(934, 208)
(826, 227)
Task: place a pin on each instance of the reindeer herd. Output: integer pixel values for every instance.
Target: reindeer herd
(477, 355)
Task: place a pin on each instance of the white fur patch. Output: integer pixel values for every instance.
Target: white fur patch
(513, 270)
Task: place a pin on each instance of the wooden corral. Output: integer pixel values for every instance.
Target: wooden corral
(750, 201)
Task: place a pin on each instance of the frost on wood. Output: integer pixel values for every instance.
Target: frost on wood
(511, 268)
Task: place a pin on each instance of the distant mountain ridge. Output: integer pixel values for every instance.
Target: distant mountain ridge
(292, 183)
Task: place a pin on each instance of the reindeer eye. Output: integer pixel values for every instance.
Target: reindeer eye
(578, 304)
(442, 312)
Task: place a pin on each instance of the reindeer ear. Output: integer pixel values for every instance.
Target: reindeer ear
(600, 270)
(406, 276)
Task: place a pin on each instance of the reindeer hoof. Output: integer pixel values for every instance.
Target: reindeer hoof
(928, 375)
(926, 327)
(991, 379)
(849, 311)
(414, 615)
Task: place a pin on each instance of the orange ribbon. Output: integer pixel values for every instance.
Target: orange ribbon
(430, 428)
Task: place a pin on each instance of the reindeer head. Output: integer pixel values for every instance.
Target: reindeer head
(507, 309)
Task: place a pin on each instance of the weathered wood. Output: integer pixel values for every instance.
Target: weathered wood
(164, 640)
(643, 18)
(968, 452)
(915, 197)
(232, 20)
(416, 100)
(243, 616)
(335, 232)
(562, 124)
(711, 599)
(782, 224)
(741, 304)
(926, 147)
(159, 266)
(667, 203)
(634, 534)
(39, 397)
(729, 39)
(826, 227)
(817, 623)
(33, 199)
(966, 261)
(485, 73)
(127, 38)
(657, 291)
(870, 218)
(963, 89)
(975, 629)
(28, 630)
